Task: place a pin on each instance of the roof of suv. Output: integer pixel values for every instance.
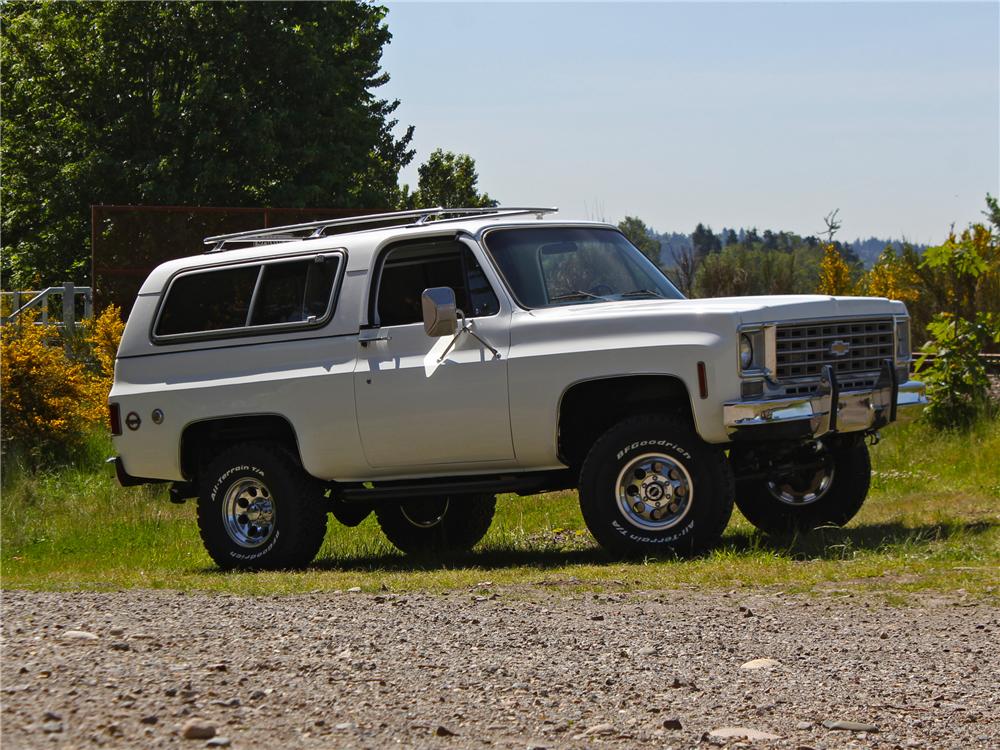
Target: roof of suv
(361, 241)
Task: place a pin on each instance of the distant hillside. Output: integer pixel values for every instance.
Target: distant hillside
(673, 244)
(869, 250)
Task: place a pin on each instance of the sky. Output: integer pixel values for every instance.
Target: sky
(738, 115)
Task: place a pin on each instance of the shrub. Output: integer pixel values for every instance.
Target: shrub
(834, 273)
(102, 335)
(53, 388)
(893, 277)
(958, 386)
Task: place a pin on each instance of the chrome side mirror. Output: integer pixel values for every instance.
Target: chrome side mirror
(440, 311)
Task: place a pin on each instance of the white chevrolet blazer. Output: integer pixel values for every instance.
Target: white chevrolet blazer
(418, 363)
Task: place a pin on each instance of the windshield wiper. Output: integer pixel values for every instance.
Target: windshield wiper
(642, 293)
(577, 295)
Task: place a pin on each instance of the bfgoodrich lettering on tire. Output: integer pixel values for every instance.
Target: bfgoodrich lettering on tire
(651, 486)
(257, 509)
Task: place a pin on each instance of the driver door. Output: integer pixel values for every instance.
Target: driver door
(414, 411)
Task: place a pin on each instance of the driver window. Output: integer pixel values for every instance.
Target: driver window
(409, 269)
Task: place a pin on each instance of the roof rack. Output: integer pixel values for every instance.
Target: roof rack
(315, 229)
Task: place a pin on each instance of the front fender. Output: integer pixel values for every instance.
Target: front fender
(542, 366)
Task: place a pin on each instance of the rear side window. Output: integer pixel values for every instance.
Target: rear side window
(209, 301)
(245, 298)
(294, 292)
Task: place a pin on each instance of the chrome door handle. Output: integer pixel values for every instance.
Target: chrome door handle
(367, 335)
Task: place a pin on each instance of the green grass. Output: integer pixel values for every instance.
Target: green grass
(931, 524)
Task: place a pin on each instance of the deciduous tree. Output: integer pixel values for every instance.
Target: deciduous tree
(186, 103)
(446, 179)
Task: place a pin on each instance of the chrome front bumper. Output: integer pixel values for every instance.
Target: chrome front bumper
(823, 412)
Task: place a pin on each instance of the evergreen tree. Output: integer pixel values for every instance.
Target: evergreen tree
(704, 242)
(640, 235)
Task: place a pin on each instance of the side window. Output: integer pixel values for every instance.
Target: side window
(297, 291)
(408, 270)
(209, 301)
(294, 292)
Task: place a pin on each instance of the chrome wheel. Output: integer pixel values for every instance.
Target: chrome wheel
(803, 488)
(654, 492)
(799, 491)
(425, 514)
(248, 513)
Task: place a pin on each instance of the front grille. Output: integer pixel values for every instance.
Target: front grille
(803, 349)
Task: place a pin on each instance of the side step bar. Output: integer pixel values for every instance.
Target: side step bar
(521, 484)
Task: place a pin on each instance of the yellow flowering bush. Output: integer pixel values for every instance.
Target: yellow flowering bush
(834, 273)
(102, 335)
(50, 401)
(892, 277)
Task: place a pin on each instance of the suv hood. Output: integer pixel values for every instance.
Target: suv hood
(763, 309)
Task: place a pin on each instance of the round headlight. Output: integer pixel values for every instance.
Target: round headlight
(746, 352)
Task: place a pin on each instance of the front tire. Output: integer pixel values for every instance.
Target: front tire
(426, 526)
(798, 502)
(258, 510)
(651, 486)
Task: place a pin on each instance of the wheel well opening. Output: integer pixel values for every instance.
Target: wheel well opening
(590, 408)
(202, 441)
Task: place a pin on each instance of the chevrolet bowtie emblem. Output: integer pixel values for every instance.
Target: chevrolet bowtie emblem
(839, 348)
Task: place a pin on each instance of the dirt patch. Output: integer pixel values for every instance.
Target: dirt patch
(495, 668)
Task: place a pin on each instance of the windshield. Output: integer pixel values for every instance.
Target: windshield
(552, 266)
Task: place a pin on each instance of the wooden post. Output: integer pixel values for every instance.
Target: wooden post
(69, 306)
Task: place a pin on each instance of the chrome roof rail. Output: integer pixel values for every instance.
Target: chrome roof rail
(315, 229)
(461, 213)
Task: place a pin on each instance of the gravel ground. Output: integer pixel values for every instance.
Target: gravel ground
(515, 669)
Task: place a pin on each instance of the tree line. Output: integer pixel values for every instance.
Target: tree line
(748, 261)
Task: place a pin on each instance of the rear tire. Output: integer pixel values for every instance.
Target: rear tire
(651, 486)
(800, 502)
(425, 526)
(258, 510)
